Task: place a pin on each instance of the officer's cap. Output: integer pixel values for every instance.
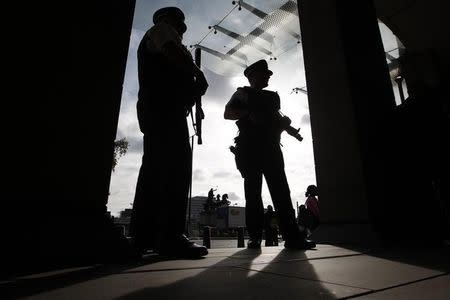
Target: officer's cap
(259, 66)
(168, 11)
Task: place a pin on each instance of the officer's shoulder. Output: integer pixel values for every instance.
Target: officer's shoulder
(149, 33)
(243, 90)
(239, 94)
(160, 28)
(271, 93)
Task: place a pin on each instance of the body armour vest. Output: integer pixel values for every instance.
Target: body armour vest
(164, 90)
(265, 106)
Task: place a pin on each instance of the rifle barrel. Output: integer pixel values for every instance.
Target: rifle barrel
(294, 132)
(199, 115)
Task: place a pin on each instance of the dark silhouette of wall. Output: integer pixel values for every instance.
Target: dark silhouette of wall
(420, 126)
(420, 139)
(372, 168)
(350, 98)
(73, 75)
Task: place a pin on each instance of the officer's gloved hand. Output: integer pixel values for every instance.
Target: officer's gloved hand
(285, 122)
(201, 83)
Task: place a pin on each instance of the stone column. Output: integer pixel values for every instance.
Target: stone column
(350, 98)
(65, 171)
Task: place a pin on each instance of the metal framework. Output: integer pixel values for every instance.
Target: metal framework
(262, 34)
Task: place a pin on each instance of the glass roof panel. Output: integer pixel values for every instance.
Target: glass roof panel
(259, 30)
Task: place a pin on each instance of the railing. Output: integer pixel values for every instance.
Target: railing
(207, 237)
(240, 238)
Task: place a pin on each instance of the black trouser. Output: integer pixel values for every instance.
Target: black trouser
(271, 234)
(307, 218)
(267, 160)
(159, 209)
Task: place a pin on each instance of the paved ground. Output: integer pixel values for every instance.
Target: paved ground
(329, 272)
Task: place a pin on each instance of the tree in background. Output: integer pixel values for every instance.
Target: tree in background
(120, 149)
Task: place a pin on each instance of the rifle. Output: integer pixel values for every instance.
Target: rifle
(199, 114)
(289, 129)
(294, 132)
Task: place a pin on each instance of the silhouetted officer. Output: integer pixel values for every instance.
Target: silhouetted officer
(258, 153)
(169, 82)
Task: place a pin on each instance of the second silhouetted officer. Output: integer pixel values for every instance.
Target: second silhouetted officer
(258, 153)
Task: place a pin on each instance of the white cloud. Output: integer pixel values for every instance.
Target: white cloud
(198, 175)
(305, 120)
(232, 196)
(223, 174)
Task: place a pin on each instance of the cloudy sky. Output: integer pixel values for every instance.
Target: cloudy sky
(213, 164)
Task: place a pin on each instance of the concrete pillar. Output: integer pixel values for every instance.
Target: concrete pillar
(350, 99)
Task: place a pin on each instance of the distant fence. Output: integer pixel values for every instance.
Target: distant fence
(231, 241)
(207, 237)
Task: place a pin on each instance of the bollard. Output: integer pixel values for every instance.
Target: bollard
(240, 237)
(207, 237)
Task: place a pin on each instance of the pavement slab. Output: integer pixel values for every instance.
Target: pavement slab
(327, 272)
(361, 271)
(212, 283)
(437, 288)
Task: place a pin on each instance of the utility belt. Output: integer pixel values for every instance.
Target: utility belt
(256, 138)
(247, 149)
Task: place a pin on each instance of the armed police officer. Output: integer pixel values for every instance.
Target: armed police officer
(257, 152)
(169, 83)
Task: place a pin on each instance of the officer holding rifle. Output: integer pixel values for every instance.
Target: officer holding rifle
(257, 153)
(169, 84)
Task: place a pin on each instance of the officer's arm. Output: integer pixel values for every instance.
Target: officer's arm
(180, 58)
(165, 39)
(284, 121)
(234, 113)
(235, 108)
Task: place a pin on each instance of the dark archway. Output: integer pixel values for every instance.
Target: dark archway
(74, 78)
(65, 151)
(368, 191)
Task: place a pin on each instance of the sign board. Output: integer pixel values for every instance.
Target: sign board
(236, 216)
